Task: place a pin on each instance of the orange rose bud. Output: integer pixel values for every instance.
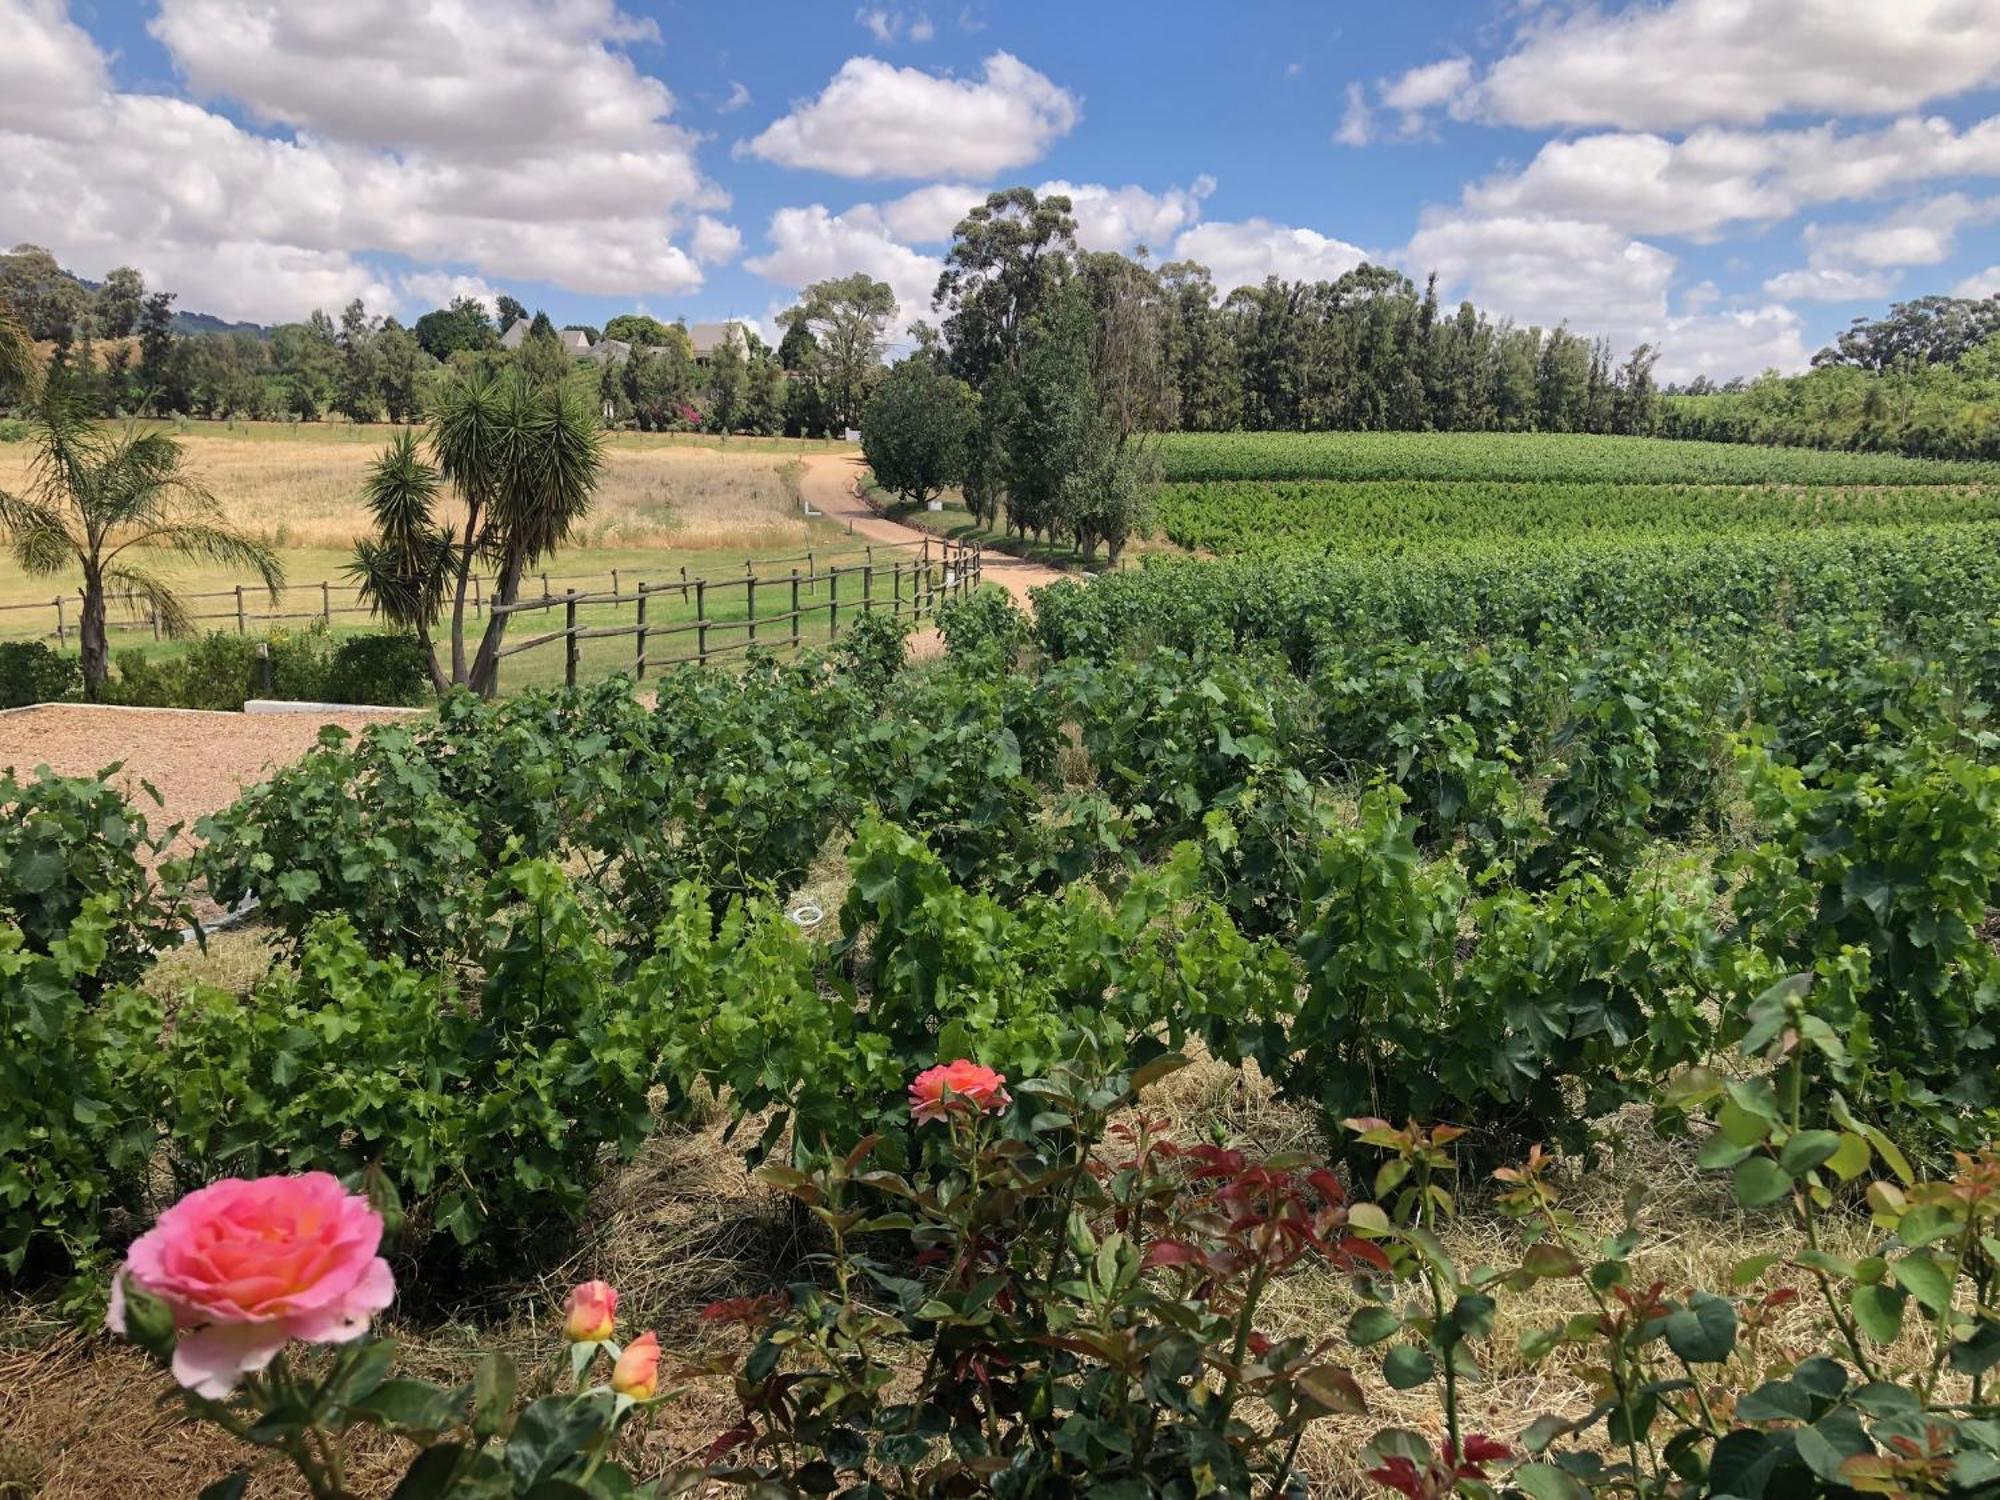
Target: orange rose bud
(637, 1373)
(592, 1311)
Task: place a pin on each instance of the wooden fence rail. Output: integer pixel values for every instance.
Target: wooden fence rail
(246, 605)
(908, 586)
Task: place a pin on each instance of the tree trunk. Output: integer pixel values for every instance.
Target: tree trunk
(465, 555)
(93, 644)
(439, 682)
(486, 665)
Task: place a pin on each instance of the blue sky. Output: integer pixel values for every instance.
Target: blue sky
(1729, 179)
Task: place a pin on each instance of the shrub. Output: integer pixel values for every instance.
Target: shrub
(76, 1101)
(365, 827)
(1879, 883)
(1527, 1016)
(31, 672)
(390, 670)
(916, 427)
(488, 1111)
(68, 840)
(985, 624)
(872, 651)
(216, 672)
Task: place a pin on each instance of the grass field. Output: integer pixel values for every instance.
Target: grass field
(671, 506)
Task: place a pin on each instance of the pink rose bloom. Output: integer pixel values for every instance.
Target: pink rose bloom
(248, 1266)
(637, 1373)
(592, 1312)
(957, 1088)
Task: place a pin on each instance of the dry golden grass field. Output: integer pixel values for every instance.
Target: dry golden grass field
(667, 500)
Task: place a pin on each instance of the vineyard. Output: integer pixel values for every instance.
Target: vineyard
(1497, 833)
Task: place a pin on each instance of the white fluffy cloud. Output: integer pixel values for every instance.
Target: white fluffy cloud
(714, 242)
(1830, 284)
(1545, 270)
(423, 290)
(1693, 62)
(811, 244)
(1715, 178)
(463, 76)
(246, 225)
(1984, 283)
(874, 119)
(1120, 218)
(1602, 282)
(1245, 252)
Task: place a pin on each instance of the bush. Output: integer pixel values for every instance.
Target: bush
(76, 1102)
(31, 672)
(1879, 882)
(66, 841)
(488, 1111)
(217, 671)
(872, 651)
(389, 670)
(985, 623)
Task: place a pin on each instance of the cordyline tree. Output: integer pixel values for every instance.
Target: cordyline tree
(521, 461)
(98, 499)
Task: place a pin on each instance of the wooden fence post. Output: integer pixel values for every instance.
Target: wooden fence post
(812, 575)
(62, 628)
(750, 603)
(832, 602)
(154, 611)
(475, 596)
(701, 621)
(326, 601)
(241, 627)
(795, 609)
(614, 580)
(896, 587)
(867, 586)
(639, 666)
(569, 638)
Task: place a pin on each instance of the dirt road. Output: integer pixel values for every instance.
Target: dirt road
(828, 486)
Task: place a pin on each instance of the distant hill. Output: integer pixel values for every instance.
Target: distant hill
(185, 321)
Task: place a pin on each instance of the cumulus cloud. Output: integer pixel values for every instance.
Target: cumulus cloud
(466, 76)
(1244, 253)
(812, 244)
(1713, 179)
(1919, 234)
(714, 242)
(1120, 218)
(423, 290)
(739, 96)
(247, 225)
(1602, 282)
(1694, 62)
(1830, 284)
(874, 119)
(1984, 283)
(1542, 270)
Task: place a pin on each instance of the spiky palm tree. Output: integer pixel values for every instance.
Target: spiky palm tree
(523, 460)
(404, 569)
(97, 497)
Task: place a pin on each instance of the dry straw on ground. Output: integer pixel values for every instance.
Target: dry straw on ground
(685, 1224)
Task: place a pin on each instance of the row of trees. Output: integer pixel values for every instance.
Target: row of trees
(1923, 379)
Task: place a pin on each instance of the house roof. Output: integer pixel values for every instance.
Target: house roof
(708, 337)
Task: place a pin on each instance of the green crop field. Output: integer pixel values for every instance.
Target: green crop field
(1542, 458)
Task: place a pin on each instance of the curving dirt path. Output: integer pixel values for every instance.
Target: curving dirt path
(829, 486)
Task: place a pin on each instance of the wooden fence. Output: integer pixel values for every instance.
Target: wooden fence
(247, 606)
(697, 615)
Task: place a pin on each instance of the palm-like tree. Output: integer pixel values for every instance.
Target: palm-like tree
(97, 499)
(404, 569)
(523, 460)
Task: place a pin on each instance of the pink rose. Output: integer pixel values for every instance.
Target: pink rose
(592, 1310)
(957, 1088)
(637, 1373)
(248, 1266)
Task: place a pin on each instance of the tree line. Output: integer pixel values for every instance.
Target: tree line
(1923, 380)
